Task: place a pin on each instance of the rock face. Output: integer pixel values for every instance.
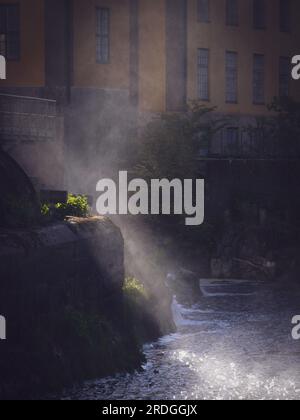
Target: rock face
(61, 294)
(18, 201)
(249, 252)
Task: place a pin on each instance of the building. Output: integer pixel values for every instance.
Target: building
(110, 63)
(31, 124)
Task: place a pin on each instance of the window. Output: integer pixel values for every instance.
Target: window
(259, 79)
(102, 35)
(259, 14)
(284, 76)
(10, 31)
(231, 146)
(285, 15)
(203, 74)
(231, 77)
(232, 12)
(204, 11)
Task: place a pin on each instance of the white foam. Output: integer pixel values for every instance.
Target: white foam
(177, 312)
(223, 294)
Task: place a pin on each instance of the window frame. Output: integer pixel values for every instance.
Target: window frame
(255, 72)
(228, 75)
(286, 76)
(259, 22)
(282, 22)
(7, 33)
(100, 36)
(204, 98)
(232, 144)
(229, 15)
(199, 15)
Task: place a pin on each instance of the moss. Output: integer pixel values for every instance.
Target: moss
(139, 311)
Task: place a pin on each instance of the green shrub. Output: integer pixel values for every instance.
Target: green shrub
(76, 206)
(134, 289)
(140, 312)
(45, 210)
(170, 144)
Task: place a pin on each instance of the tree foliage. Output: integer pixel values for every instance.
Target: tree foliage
(171, 143)
(287, 123)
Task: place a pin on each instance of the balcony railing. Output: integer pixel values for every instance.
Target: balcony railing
(246, 146)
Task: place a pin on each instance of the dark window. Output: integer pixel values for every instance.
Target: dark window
(232, 12)
(259, 14)
(232, 143)
(259, 79)
(285, 15)
(102, 35)
(284, 76)
(231, 77)
(203, 74)
(204, 11)
(10, 31)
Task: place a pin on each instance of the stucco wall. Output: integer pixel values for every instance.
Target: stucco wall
(87, 72)
(29, 71)
(246, 41)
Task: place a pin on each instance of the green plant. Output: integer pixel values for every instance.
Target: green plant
(76, 205)
(45, 210)
(87, 326)
(279, 132)
(287, 124)
(133, 288)
(171, 143)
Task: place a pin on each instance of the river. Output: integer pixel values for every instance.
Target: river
(235, 344)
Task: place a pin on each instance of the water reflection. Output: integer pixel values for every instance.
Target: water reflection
(232, 345)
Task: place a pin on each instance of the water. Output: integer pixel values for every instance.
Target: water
(234, 344)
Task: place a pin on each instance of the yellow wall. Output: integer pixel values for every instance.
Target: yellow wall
(216, 36)
(152, 58)
(115, 74)
(219, 38)
(87, 72)
(246, 41)
(29, 71)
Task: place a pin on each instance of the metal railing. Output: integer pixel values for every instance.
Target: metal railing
(247, 146)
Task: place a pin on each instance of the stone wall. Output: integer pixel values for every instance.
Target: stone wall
(61, 295)
(32, 132)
